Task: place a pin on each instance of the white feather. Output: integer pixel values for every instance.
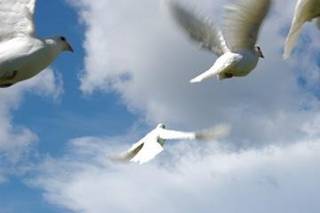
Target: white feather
(16, 18)
(305, 10)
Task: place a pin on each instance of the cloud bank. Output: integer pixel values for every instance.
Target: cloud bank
(269, 164)
(274, 179)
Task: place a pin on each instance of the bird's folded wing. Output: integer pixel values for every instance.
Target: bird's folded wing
(16, 18)
(199, 29)
(176, 135)
(305, 10)
(242, 22)
(148, 151)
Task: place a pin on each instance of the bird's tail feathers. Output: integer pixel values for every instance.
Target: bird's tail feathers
(204, 76)
(216, 132)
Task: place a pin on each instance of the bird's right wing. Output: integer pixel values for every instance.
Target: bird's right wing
(305, 11)
(242, 22)
(199, 29)
(141, 152)
(148, 151)
(16, 18)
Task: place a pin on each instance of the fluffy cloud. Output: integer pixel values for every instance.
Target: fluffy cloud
(149, 61)
(16, 140)
(135, 50)
(208, 179)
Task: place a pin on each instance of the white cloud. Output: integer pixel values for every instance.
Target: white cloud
(135, 49)
(210, 179)
(16, 140)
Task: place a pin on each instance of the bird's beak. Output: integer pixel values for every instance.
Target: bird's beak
(261, 55)
(69, 48)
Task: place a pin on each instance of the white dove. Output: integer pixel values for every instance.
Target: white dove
(152, 144)
(235, 45)
(306, 10)
(22, 55)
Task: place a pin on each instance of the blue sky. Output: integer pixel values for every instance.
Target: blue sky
(130, 70)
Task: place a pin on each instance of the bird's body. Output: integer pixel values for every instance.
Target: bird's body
(22, 55)
(230, 65)
(235, 45)
(152, 144)
(305, 10)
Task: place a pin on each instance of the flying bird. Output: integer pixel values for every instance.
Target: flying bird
(306, 10)
(235, 44)
(22, 54)
(152, 144)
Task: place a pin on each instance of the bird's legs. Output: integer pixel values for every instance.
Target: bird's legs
(225, 76)
(9, 76)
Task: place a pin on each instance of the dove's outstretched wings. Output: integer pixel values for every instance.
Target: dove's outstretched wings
(199, 29)
(242, 22)
(152, 144)
(305, 10)
(16, 18)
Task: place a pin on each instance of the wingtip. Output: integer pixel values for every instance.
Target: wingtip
(195, 80)
(214, 133)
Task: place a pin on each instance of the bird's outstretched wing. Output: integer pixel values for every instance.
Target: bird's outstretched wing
(199, 29)
(242, 22)
(215, 132)
(16, 18)
(142, 151)
(150, 149)
(305, 11)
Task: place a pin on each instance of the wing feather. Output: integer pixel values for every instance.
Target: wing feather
(150, 149)
(242, 22)
(16, 18)
(199, 29)
(166, 134)
(305, 10)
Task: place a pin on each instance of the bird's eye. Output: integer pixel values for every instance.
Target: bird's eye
(62, 38)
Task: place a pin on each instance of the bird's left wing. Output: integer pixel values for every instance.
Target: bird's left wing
(16, 18)
(166, 134)
(199, 29)
(215, 132)
(242, 22)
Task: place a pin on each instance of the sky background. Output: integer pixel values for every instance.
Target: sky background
(130, 70)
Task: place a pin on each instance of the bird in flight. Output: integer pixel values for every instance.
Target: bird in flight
(235, 44)
(152, 144)
(306, 10)
(22, 54)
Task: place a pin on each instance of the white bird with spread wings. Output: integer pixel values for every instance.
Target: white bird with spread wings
(306, 10)
(152, 144)
(22, 54)
(235, 45)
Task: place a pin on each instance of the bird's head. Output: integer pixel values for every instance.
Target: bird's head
(259, 52)
(64, 43)
(161, 125)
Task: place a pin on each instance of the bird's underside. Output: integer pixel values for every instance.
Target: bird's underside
(7, 79)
